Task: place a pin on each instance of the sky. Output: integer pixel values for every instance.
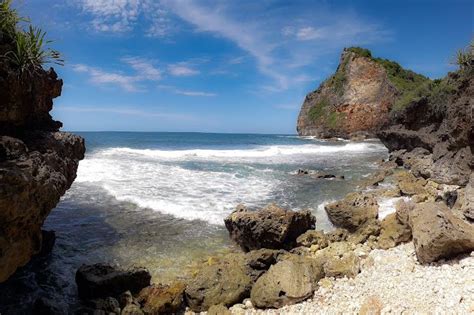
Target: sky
(228, 66)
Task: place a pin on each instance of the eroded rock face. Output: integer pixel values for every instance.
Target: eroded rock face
(101, 280)
(288, 282)
(162, 299)
(437, 233)
(353, 211)
(271, 227)
(357, 100)
(436, 143)
(37, 162)
(35, 171)
(228, 282)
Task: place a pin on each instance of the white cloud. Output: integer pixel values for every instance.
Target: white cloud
(144, 68)
(125, 111)
(101, 77)
(309, 33)
(181, 70)
(186, 92)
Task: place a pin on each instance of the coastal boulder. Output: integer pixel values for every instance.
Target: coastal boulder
(338, 260)
(438, 233)
(258, 261)
(162, 299)
(312, 238)
(290, 281)
(352, 211)
(271, 227)
(227, 282)
(101, 280)
(393, 232)
(468, 205)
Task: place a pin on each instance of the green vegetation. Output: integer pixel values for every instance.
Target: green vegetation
(465, 59)
(362, 52)
(318, 110)
(334, 119)
(28, 48)
(338, 80)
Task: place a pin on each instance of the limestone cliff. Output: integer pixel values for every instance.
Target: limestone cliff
(38, 163)
(357, 99)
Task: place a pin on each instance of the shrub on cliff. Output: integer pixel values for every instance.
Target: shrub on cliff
(28, 49)
(465, 59)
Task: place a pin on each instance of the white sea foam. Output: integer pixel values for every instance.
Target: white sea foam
(255, 153)
(387, 205)
(182, 183)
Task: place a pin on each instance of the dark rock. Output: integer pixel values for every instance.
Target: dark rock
(45, 306)
(108, 305)
(227, 282)
(271, 227)
(101, 280)
(162, 299)
(290, 281)
(437, 233)
(126, 298)
(352, 211)
(258, 261)
(48, 241)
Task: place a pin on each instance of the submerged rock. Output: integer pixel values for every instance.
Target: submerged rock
(352, 211)
(290, 281)
(227, 282)
(101, 280)
(271, 227)
(437, 233)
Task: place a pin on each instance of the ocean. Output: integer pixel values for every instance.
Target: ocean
(159, 200)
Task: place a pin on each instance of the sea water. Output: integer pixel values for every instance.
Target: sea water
(159, 200)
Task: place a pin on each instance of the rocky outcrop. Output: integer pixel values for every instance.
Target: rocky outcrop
(353, 211)
(162, 299)
(100, 280)
(356, 99)
(271, 227)
(37, 162)
(287, 282)
(437, 233)
(434, 134)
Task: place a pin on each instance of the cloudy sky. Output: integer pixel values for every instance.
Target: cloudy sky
(227, 66)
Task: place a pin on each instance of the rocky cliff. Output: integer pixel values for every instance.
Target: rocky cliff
(38, 163)
(357, 99)
(433, 135)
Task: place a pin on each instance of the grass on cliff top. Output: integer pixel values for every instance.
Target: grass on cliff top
(29, 49)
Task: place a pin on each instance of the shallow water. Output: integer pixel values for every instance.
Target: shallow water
(159, 200)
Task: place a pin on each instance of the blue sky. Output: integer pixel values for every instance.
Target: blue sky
(227, 66)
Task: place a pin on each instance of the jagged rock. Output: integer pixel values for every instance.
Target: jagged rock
(338, 260)
(312, 238)
(365, 231)
(468, 204)
(162, 299)
(126, 298)
(318, 174)
(289, 281)
(258, 261)
(218, 310)
(271, 227)
(108, 305)
(101, 280)
(352, 211)
(393, 232)
(227, 282)
(437, 233)
(35, 172)
(410, 185)
(356, 99)
(337, 235)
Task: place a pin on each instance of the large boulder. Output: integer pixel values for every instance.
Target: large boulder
(438, 233)
(393, 232)
(259, 261)
(353, 211)
(468, 205)
(271, 227)
(312, 238)
(339, 260)
(101, 280)
(162, 299)
(227, 282)
(290, 281)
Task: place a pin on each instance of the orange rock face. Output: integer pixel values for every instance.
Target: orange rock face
(357, 99)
